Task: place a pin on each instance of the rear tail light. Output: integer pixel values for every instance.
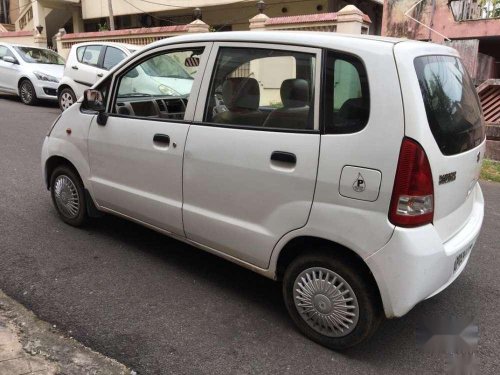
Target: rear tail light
(412, 202)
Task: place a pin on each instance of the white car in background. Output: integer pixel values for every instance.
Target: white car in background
(86, 64)
(32, 73)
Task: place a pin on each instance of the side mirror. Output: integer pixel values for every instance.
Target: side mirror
(10, 59)
(93, 100)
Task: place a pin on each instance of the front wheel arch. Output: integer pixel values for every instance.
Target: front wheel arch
(52, 163)
(35, 100)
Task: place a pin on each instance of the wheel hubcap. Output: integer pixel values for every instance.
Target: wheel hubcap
(66, 100)
(66, 196)
(26, 92)
(326, 302)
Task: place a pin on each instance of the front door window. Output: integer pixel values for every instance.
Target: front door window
(160, 86)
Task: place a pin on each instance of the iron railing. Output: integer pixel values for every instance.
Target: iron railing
(465, 10)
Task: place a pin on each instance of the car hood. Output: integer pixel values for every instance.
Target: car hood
(181, 85)
(50, 69)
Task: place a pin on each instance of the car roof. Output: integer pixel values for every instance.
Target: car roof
(318, 39)
(294, 37)
(22, 45)
(110, 44)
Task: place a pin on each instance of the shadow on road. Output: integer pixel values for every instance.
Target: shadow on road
(41, 103)
(393, 335)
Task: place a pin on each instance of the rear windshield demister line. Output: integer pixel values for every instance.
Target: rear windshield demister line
(451, 103)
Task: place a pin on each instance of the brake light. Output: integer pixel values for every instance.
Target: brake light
(412, 202)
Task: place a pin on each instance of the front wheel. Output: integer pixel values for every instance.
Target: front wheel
(68, 196)
(66, 98)
(27, 93)
(330, 301)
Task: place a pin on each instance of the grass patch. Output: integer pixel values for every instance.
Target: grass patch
(490, 170)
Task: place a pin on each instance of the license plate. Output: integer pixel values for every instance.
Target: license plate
(461, 257)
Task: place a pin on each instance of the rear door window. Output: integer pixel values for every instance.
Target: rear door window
(451, 103)
(91, 55)
(112, 57)
(347, 96)
(79, 53)
(260, 87)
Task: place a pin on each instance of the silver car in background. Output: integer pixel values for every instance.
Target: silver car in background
(32, 73)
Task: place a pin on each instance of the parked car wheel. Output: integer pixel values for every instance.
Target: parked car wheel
(27, 92)
(66, 98)
(330, 301)
(68, 196)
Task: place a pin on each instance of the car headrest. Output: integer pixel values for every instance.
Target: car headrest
(295, 93)
(354, 108)
(241, 93)
(87, 56)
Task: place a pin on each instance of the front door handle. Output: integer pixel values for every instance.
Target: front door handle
(284, 157)
(74, 67)
(100, 74)
(161, 139)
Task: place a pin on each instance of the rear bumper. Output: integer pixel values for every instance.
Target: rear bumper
(415, 264)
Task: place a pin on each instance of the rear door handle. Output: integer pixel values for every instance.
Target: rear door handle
(100, 74)
(284, 157)
(161, 139)
(74, 67)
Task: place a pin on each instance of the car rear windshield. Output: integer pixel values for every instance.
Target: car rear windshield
(451, 103)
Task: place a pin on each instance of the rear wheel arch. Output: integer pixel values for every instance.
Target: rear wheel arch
(306, 244)
(64, 86)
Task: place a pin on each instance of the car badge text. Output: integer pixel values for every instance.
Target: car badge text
(448, 177)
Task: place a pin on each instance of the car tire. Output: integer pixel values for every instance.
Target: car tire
(66, 98)
(321, 290)
(27, 92)
(68, 196)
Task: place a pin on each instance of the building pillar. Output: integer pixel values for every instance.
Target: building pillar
(40, 38)
(349, 20)
(76, 16)
(59, 45)
(198, 26)
(258, 23)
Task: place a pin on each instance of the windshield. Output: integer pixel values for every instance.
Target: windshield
(451, 103)
(39, 55)
(165, 66)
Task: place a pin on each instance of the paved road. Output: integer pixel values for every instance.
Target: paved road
(163, 307)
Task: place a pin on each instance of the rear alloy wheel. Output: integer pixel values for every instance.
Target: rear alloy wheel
(330, 301)
(68, 196)
(27, 93)
(66, 98)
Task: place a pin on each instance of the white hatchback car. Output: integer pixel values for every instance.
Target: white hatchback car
(86, 64)
(30, 72)
(345, 166)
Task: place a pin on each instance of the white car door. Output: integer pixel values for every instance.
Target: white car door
(136, 157)
(85, 69)
(8, 71)
(251, 155)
